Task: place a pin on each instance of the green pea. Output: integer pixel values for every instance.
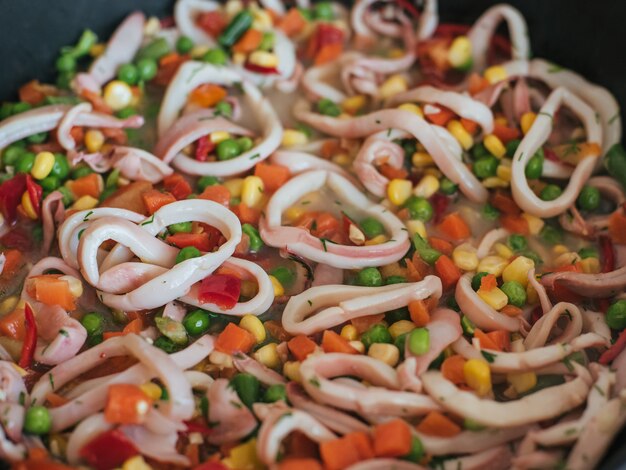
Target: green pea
(93, 323)
(207, 181)
(187, 253)
(11, 154)
(50, 183)
(125, 113)
(372, 227)
(616, 315)
(489, 212)
(472, 425)
(155, 50)
(147, 69)
(517, 242)
(245, 144)
(256, 243)
(197, 322)
(106, 192)
(66, 63)
(224, 108)
(447, 187)
(480, 151)
(94, 340)
(369, 277)
(511, 147)
(550, 192)
(184, 44)
(215, 56)
(81, 170)
(589, 198)
(285, 276)
(409, 146)
(37, 420)
(128, 73)
(39, 138)
(247, 387)
(376, 334)
(424, 250)
(64, 80)
(395, 280)
(25, 162)
(328, 107)
(477, 279)
(166, 344)
(416, 454)
(419, 341)
(275, 393)
(467, 325)
(6, 109)
(551, 235)
(323, 11)
(398, 314)
(267, 41)
(615, 163)
(21, 107)
(419, 208)
(515, 292)
(588, 252)
(227, 149)
(306, 130)
(172, 329)
(400, 343)
(181, 227)
(68, 197)
(534, 167)
(306, 13)
(486, 167)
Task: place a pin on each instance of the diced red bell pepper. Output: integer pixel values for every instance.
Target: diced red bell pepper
(324, 35)
(177, 185)
(260, 69)
(220, 289)
(201, 241)
(35, 192)
(614, 351)
(126, 404)
(211, 22)
(193, 426)
(204, 146)
(30, 338)
(440, 204)
(108, 450)
(608, 254)
(10, 195)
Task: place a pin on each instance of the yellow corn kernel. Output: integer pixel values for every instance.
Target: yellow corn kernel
(293, 214)
(416, 226)
(494, 146)
(94, 140)
(262, 20)
(535, 224)
(503, 250)
(8, 304)
(292, 137)
(531, 295)
(252, 191)
(27, 205)
(221, 359)
(495, 298)
(427, 186)
(219, 136)
(395, 53)
(117, 95)
(433, 172)
(590, 265)
(350, 333)
(152, 26)
(58, 445)
(522, 381)
(567, 258)
(198, 51)
(460, 53)
(249, 288)
(74, 284)
(358, 345)
(238, 58)
(393, 85)
(465, 258)
(518, 269)
(527, 121)
(268, 355)
(400, 327)
(393, 269)
(478, 376)
(413, 108)
(422, 159)
(387, 353)
(234, 186)
(97, 49)
(263, 59)
(232, 7)
(152, 390)
(278, 287)
(504, 173)
(44, 161)
(492, 265)
(495, 74)
(254, 326)
(291, 370)
(342, 159)
(559, 249)
(399, 190)
(244, 457)
(84, 203)
(354, 104)
(136, 463)
(459, 133)
(377, 240)
(495, 182)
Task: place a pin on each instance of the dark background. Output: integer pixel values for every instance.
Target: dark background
(585, 35)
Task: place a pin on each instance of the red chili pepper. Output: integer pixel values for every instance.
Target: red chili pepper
(260, 69)
(440, 204)
(220, 289)
(192, 426)
(108, 450)
(203, 147)
(608, 254)
(10, 195)
(35, 192)
(30, 338)
(324, 35)
(614, 351)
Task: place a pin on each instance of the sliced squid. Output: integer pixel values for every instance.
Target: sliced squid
(539, 334)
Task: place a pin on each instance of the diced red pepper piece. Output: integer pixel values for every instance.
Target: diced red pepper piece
(201, 241)
(30, 338)
(177, 185)
(108, 450)
(10, 195)
(614, 351)
(260, 69)
(211, 22)
(220, 289)
(204, 146)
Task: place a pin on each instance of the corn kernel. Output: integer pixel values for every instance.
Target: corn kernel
(94, 140)
(152, 26)
(494, 146)
(518, 269)
(117, 95)
(527, 121)
(559, 249)
(399, 190)
(292, 137)
(354, 104)
(395, 53)
(232, 7)
(219, 136)
(358, 345)
(97, 49)
(492, 265)
(74, 284)
(567, 258)
(504, 173)
(8, 304)
(198, 51)
(291, 370)
(427, 186)
(234, 186)
(244, 457)
(263, 59)
(416, 226)
(460, 134)
(293, 214)
(400, 327)
(393, 85)
(152, 390)
(495, 74)
(136, 463)
(278, 287)
(349, 332)
(44, 161)
(413, 108)
(460, 52)
(268, 355)
(342, 159)
(590, 265)
(522, 381)
(495, 182)
(465, 258)
(495, 298)
(84, 203)
(377, 240)
(387, 353)
(221, 359)
(252, 191)
(433, 172)
(478, 376)
(503, 250)
(262, 20)
(239, 58)
(535, 224)
(27, 205)
(254, 326)
(422, 159)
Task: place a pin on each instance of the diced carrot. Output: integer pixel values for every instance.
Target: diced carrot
(233, 339)
(247, 215)
(511, 310)
(454, 227)
(441, 245)
(273, 176)
(301, 346)
(50, 290)
(391, 172)
(617, 228)
(134, 326)
(216, 193)
(177, 185)
(419, 312)
(436, 424)
(299, 445)
(485, 341)
(338, 454)
(168, 66)
(392, 439)
(249, 42)
(126, 404)
(363, 324)
(155, 199)
(56, 400)
(452, 369)
(506, 134)
(129, 197)
(515, 224)
(34, 92)
(332, 342)
(13, 260)
(442, 117)
(12, 324)
(363, 443)
(200, 241)
(567, 268)
(488, 282)
(96, 101)
(503, 201)
(89, 185)
(111, 334)
(501, 338)
(574, 153)
(328, 53)
(299, 464)
(207, 95)
(192, 452)
(447, 271)
(330, 148)
(78, 133)
(325, 224)
(292, 22)
(469, 125)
